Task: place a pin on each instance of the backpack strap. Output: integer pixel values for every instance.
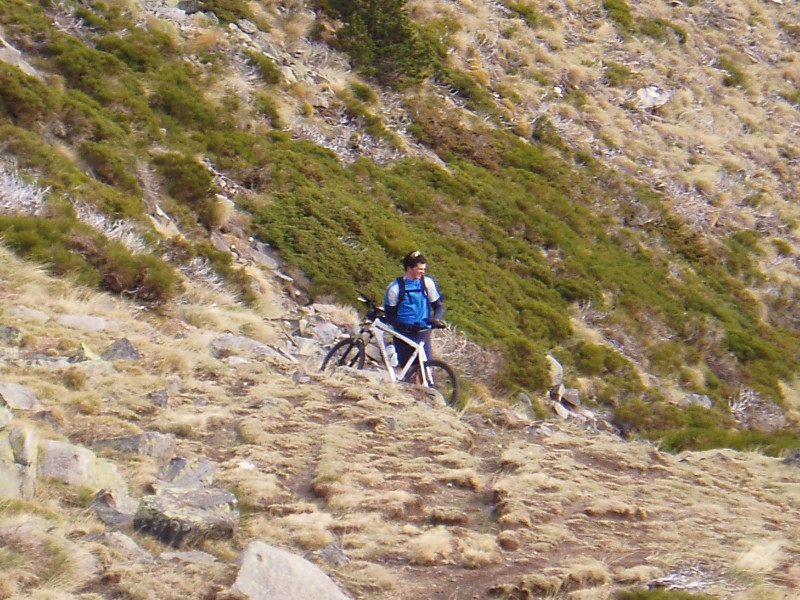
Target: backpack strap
(401, 285)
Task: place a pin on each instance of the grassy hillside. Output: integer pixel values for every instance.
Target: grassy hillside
(650, 248)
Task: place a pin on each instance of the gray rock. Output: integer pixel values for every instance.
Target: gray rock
(189, 556)
(122, 545)
(24, 446)
(85, 322)
(326, 333)
(29, 314)
(114, 508)
(248, 27)
(268, 573)
(159, 397)
(793, 458)
(18, 453)
(698, 399)
(228, 344)
(184, 516)
(557, 392)
(157, 445)
(78, 466)
(6, 416)
(11, 335)
(122, 349)
(556, 370)
(187, 473)
(16, 396)
(571, 398)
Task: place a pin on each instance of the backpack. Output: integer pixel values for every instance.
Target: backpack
(401, 284)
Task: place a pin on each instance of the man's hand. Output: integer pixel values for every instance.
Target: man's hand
(409, 328)
(436, 323)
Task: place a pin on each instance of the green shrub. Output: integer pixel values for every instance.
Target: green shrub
(111, 164)
(466, 86)
(177, 94)
(591, 359)
(24, 99)
(532, 17)
(68, 247)
(659, 29)
(734, 76)
(380, 39)
(270, 74)
(228, 11)
(142, 277)
(141, 50)
(185, 179)
(793, 96)
(363, 92)
(102, 17)
(619, 12)
(615, 74)
(84, 67)
(266, 106)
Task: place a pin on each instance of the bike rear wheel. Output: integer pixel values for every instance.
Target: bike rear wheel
(443, 379)
(346, 353)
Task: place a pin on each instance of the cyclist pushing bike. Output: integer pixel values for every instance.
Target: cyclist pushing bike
(413, 306)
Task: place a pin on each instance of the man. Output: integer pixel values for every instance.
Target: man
(408, 303)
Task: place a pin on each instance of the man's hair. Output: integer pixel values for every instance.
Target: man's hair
(412, 259)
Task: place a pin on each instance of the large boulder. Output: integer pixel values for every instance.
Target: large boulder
(179, 516)
(269, 573)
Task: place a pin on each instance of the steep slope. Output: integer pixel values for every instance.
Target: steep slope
(392, 494)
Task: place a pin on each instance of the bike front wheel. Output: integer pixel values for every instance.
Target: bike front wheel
(346, 353)
(443, 379)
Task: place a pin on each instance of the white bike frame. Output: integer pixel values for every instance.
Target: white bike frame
(377, 329)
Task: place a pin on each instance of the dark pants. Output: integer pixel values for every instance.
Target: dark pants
(404, 351)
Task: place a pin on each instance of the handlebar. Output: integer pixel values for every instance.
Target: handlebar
(374, 311)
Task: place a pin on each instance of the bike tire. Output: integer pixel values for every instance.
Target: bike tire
(443, 379)
(345, 353)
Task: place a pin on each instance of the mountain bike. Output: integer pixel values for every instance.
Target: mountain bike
(353, 352)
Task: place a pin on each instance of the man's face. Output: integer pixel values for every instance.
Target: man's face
(416, 271)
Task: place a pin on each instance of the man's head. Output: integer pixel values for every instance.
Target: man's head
(414, 264)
